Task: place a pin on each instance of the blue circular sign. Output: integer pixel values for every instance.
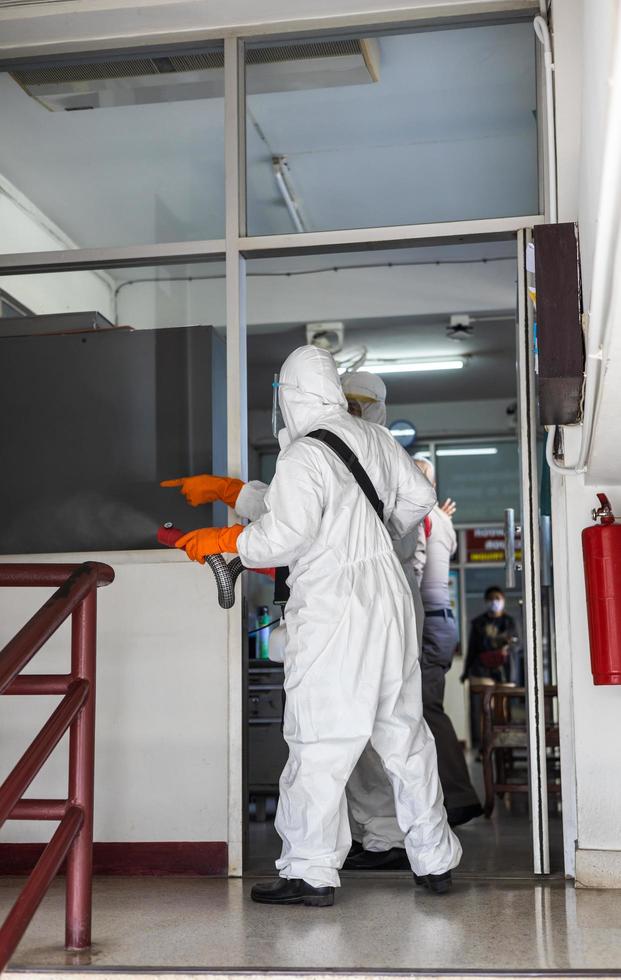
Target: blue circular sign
(404, 432)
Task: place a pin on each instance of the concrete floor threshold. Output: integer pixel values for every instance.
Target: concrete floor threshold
(379, 926)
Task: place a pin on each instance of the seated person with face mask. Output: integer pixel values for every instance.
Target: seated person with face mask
(351, 658)
(491, 636)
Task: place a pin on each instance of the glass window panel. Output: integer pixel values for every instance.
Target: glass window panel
(438, 125)
(118, 383)
(482, 478)
(117, 152)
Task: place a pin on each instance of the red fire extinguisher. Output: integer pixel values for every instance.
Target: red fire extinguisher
(601, 547)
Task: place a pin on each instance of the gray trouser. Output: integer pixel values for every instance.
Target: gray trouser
(369, 793)
(439, 641)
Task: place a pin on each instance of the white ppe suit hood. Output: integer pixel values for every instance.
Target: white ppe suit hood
(370, 390)
(309, 391)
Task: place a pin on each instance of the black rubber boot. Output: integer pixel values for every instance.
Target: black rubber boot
(462, 814)
(393, 860)
(440, 884)
(291, 891)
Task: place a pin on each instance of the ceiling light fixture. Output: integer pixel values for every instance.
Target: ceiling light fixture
(409, 366)
(468, 451)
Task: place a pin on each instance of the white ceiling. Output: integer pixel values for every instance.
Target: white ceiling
(448, 132)
(396, 302)
(489, 354)
(409, 296)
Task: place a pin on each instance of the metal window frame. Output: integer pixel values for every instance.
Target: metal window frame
(237, 421)
(237, 247)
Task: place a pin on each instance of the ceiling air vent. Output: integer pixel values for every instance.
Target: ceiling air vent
(71, 85)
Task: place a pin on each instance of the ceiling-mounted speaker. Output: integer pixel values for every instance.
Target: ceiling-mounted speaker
(560, 339)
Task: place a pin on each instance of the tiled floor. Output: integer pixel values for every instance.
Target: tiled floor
(376, 924)
(496, 848)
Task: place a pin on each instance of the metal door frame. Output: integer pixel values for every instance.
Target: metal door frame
(531, 565)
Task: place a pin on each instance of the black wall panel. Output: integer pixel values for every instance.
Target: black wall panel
(92, 422)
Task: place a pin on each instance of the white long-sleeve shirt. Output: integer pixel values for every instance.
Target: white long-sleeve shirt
(441, 545)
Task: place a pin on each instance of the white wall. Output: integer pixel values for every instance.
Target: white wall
(589, 715)
(24, 228)
(605, 455)
(161, 703)
(438, 420)
(351, 294)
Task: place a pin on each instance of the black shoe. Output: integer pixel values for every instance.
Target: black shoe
(291, 891)
(462, 814)
(393, 860)
(356, 848)
(440, 884)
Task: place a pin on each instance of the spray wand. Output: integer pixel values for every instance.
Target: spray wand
(225, 573)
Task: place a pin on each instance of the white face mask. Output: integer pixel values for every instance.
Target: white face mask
(496, 605)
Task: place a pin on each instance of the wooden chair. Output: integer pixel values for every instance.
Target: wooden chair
(502, 735)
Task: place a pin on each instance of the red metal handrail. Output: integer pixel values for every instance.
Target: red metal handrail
(76, 596)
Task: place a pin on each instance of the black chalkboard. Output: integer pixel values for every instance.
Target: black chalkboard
(92, 422)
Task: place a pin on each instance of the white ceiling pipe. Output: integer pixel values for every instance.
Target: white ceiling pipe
(280, 168)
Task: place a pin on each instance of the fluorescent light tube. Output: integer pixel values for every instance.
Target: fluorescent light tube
(468, 451)
(406, 367)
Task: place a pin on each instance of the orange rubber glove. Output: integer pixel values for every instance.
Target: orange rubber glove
(210, 541)
(205, 489)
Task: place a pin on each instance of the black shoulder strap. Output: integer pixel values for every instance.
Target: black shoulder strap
(354, 466)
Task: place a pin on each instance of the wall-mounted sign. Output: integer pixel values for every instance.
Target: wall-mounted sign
(487, 544)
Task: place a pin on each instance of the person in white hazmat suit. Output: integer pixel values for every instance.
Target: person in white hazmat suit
(351, 658)
(378, 839)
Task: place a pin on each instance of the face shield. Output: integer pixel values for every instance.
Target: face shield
(277, 422)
